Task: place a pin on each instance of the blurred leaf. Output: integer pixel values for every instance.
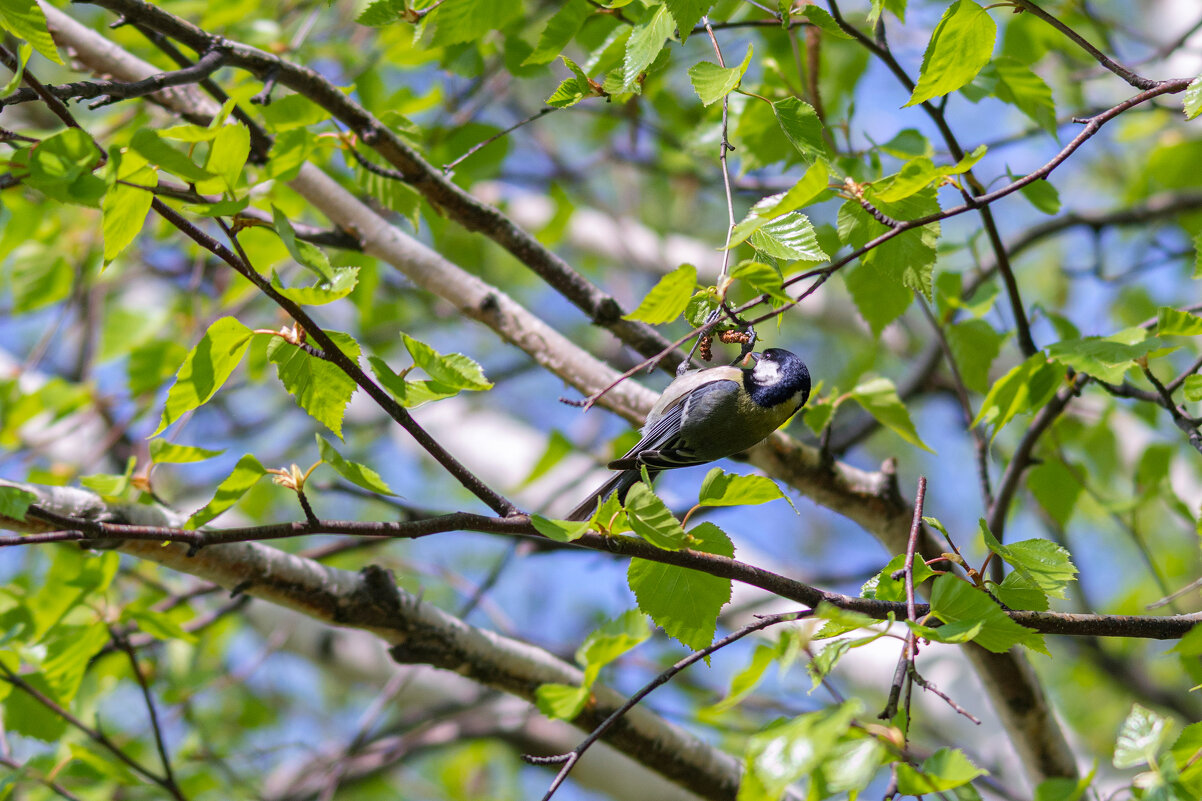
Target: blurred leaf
(943, 770)
(974, 345)
(560, 701)
(359, 474)
(745, 681)
(1192, 101)
(608, 642)
(1042, 195)
(1140, 738)
(784, 752)
(559, 31)
(470, 20)
(1056, 489)
(558, 446)
(1025, 388)
(1171, 322)
(24, 19)
(960, 46)
(14, 501)
(245, 475)
(1018, 85)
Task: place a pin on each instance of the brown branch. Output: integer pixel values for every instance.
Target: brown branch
(1128, 75)
(1171, 627)
(473, 214)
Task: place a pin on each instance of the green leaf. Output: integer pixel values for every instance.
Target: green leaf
(650, 519)
(151, 364)
(320, 387)
(228, 153)
(1104, 358)
(820, 18)
(745, 681)
(560, 530)
(164, 452)
(879, 398)
(205, 369)
(111, 485)
(470, 20)
(1019, 86)
(24, 19)
(608, 642)
(1025, 388)
(160, 625)
(24, 51)
(36, 283)
(1140, 738)
(763, 278)
(560, 701)
(974, 345)
(644, 45)
(358, 474)
(452, 371)
(14, 501)
(148, 143)
(245, 475)
(69, 649)
(952, 633)
(687, 14)
(344, 281)
(884, 587)
(728, 489)
(25, 715)
(943, 770)
(1193, 388)
(381, 13)
(1055, 488)
(1018, 592)
(784, 752)
(61, 167)
(668, 298)
(791, 237)
(303, 252)
(1171, 322)
(805, 191)
(1185, 752)
(957, 601)
(712, 82)
(800, 124)
(685, 603)
(558, 446)
(1042, 195)
(898, 7)
(701, 306)
(1192, 102)
(561, 28)
(125, 207)
(960, 46)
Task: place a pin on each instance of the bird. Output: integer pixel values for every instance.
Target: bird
(709, 414)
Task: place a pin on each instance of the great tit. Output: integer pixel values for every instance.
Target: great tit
(709, 414)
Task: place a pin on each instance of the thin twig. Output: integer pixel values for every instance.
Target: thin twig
(449, 168)
(169, 775)
(570, 759)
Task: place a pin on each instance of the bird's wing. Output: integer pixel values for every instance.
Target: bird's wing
(660, 446)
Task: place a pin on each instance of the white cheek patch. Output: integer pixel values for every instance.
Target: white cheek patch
(765, 372)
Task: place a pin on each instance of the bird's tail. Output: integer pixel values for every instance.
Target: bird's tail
(619, 483)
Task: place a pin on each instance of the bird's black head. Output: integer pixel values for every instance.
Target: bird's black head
(778, 377)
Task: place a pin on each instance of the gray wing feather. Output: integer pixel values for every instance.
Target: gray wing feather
(661, 446)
